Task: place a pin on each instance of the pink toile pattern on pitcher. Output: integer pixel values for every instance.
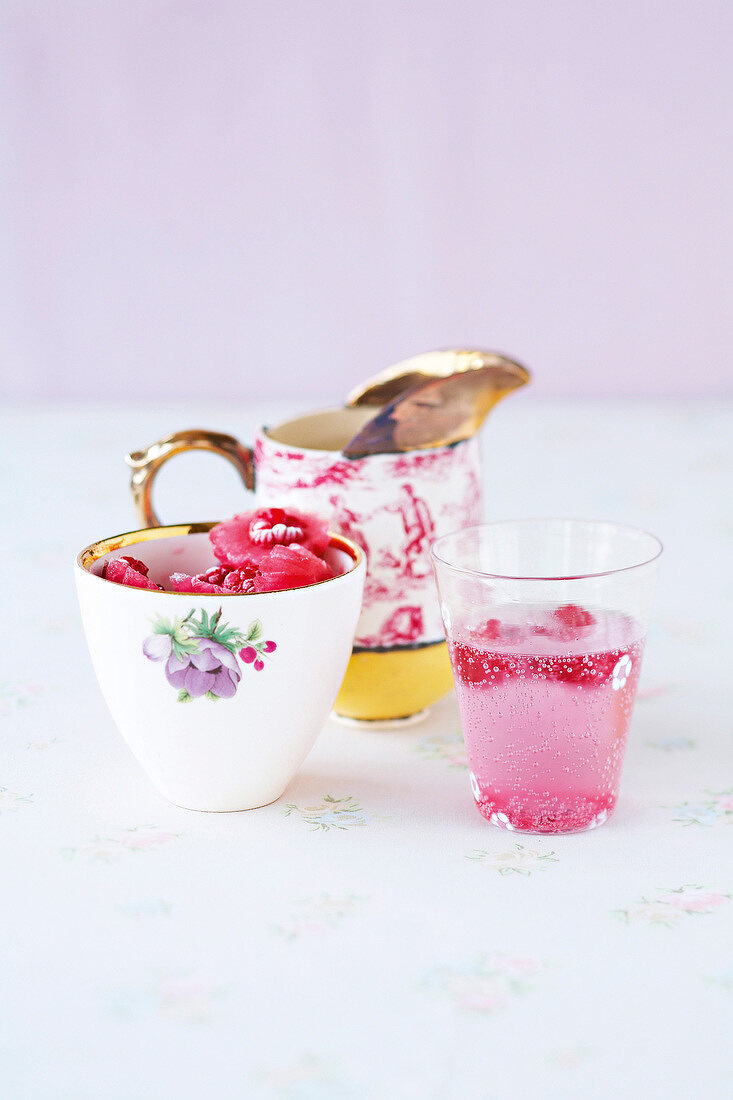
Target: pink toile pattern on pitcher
(394, 506)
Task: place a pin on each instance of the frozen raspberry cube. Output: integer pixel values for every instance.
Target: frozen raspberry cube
(290, 567)
(589, 669)
(491, 630)
(494, 630)
(129, 571)
(472, 664)
(182, 582)
(570, 622)
(249, 537)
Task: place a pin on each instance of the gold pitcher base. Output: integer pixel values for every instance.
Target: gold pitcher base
(394, 683)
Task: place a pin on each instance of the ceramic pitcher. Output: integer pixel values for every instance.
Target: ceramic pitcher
(393, 505)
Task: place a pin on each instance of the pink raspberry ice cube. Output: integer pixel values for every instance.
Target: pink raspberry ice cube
(249, 537)
(129, 571)
(290, 567)
(570, 622)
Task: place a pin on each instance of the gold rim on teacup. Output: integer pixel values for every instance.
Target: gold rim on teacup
(96, 550)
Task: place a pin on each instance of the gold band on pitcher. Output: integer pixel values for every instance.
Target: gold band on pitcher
(389, 684)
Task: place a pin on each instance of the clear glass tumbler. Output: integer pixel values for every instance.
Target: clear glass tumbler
(546, 622)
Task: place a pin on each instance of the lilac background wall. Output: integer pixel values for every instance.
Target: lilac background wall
(280, 197)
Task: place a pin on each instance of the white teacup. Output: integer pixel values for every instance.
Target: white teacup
(220, 698)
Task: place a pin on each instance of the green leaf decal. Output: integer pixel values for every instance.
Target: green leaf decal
(184, 697)
(162, 626)
(255, 632)
(228, 636)
(184, 649)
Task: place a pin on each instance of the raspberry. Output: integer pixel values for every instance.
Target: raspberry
(570, 622)
(241, 580)
(571, 615)
(129, 571)
(216, 575)
(181, 582)
(591, 669)
(479, 666)
(491, 630)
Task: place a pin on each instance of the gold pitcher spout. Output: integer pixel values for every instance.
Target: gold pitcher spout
(433, 400)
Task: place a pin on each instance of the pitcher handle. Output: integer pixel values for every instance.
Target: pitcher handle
(145, 464)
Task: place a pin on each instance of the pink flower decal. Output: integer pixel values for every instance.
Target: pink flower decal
(252, 654)
(200, 654)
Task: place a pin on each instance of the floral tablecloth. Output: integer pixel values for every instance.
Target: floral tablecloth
(369, 935)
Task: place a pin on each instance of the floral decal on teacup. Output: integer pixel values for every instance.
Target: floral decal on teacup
(200, 653)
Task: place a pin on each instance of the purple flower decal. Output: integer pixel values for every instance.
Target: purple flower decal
(213, 668)
(200, 654)
(157, 646)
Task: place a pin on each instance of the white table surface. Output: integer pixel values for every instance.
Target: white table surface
(389, 943)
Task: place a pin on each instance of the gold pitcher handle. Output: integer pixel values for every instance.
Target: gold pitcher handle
(145, 464)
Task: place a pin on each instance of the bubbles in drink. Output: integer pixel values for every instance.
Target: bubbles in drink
(545, 705)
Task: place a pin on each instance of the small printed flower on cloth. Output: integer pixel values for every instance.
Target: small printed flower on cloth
(331, 813)
(715, 809)
(317, 915)
(10, 800)
(177, 996)
(450, 748)
(670, 907)
(520, 860)
(488, 983)
(16, 695)
(109, 849)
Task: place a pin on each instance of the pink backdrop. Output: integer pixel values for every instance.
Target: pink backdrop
(283, 196)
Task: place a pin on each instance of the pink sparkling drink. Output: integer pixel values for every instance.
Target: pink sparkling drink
(546, 622)
(545, 711)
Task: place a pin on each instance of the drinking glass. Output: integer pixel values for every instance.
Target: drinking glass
(546, 622)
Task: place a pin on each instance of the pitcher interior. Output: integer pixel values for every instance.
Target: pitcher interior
(329, 430)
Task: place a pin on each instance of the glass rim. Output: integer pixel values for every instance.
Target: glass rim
(436, 556)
